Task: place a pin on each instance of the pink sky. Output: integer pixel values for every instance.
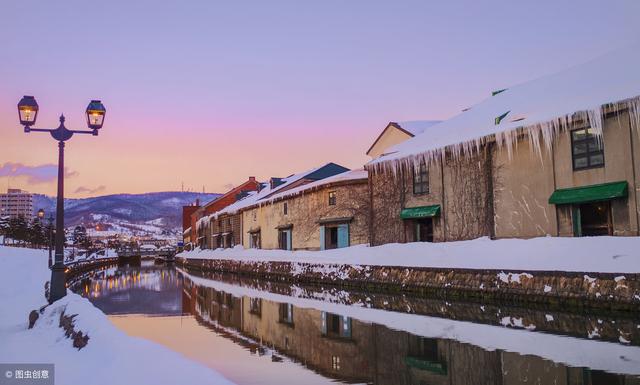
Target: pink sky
(208, 94)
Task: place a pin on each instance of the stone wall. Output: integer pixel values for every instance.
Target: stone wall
(303, 213)
(596, 290)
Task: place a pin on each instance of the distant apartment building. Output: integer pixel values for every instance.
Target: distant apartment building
(16, 203)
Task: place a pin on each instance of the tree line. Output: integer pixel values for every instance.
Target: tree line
(19, 230)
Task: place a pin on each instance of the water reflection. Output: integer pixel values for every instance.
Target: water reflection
(147, 289)
(349, 343)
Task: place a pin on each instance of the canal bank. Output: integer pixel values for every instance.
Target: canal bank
(110, 356)
(599, 273)
(261, 332)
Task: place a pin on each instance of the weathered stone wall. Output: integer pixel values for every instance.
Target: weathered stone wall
(598, 290)
(461, 187)
(305, 210)
(225, 223)
(522, 206)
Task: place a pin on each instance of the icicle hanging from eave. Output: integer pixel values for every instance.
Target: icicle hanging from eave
(633, 106)
(547, 132)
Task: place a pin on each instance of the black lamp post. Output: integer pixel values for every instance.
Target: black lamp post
(28, 112)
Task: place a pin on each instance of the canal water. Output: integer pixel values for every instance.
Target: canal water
(256, 332)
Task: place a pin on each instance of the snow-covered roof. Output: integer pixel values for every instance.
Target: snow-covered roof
(346, 176)
(254, 196)
(542, 107)
(417, 127)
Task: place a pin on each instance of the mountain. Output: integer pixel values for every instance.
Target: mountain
(157, 212)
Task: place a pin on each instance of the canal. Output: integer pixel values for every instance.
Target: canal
(257, 332)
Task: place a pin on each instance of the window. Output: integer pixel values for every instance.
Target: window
(255, 306)
(336, 326)
(285, 313)
(335, 362)
(332, 198)
(285, 208)
(421, 180)
(586, 149)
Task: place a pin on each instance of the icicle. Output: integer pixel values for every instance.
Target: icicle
(548, 132)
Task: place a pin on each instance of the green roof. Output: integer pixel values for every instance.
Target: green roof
(586, 194)
(420, 212)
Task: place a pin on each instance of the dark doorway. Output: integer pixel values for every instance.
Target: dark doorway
(595, 219)
(284, 239)
(423, 230)
(331, 238)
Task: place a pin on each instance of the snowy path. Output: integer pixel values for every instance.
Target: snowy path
(111, 357)
(587, 254)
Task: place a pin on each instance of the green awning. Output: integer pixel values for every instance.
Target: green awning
(420, 212)
(431, 366)
(586, 194)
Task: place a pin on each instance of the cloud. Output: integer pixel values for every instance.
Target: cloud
(44, 173)
(90, 191)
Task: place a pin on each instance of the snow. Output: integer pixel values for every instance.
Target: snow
(111, 357)
(511, 277)
(268, 195)
(342, 177)
(598, 355)
(417, 127)
(547, 105)
(585, 254)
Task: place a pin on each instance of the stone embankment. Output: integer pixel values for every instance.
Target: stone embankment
(588, 290)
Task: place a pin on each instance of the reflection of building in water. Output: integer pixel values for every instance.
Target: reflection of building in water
(350, 350)
(146, 290)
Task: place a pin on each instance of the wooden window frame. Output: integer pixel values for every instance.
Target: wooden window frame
(589, 138)
(421, 180)
(332, 198)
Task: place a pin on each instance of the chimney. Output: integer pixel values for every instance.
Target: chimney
(275, 182)
(252, 179)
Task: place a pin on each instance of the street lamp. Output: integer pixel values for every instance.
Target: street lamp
(28, 112)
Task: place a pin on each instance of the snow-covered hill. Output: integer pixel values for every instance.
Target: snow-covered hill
(158, 213)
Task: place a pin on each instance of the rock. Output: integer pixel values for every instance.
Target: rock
(80, 340)
(33, 317)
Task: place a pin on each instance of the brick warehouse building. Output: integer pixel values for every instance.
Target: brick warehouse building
(199, 230)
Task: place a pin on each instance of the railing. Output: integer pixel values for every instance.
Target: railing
(145, 253)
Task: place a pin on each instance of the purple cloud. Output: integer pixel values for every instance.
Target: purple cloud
(89, 190)
(43, 173)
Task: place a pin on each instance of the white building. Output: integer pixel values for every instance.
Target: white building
(16, 203)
